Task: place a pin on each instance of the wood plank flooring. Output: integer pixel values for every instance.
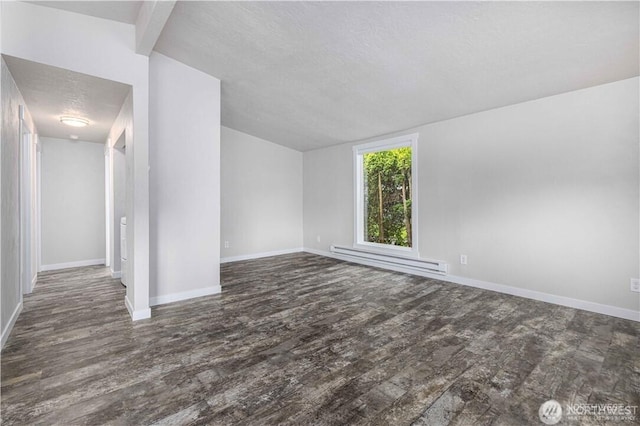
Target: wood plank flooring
(307, 340)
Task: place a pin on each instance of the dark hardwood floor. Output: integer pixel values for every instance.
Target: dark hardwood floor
(307, 340)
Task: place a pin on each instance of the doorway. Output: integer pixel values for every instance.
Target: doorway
(116, 207)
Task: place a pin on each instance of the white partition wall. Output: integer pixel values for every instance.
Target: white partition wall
(184, 125)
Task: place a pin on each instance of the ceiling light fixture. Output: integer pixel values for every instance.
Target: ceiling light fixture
(74, 121)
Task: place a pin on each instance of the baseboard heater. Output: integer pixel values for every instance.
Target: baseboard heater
(397, 261)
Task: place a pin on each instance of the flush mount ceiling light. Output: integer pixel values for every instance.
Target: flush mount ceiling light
(74, 121)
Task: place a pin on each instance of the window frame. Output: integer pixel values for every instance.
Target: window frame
(411, 141)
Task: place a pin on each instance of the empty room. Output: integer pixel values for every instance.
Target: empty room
(320, 213)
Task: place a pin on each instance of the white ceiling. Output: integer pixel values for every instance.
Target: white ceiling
(51, 92)
(312, 74)
(122, 11)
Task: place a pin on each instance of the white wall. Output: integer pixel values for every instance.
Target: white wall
(261, 196)
(10, 290)
(185, 181)
(34, 33)
(4, 124)
(541, 195)
(73, 218)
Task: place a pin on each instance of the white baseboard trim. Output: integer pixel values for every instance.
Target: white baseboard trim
(176, 297)
(320, 252)
(7, 328)
(259, 255)
(117, 274)
(140, 314)
(76, 264)
(584, 305)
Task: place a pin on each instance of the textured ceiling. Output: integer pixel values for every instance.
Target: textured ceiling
(51, 92)
(122, 11)
(312, 74)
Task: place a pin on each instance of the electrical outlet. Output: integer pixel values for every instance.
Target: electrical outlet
(463, 259)
(226, 244)
(635, 285)
(318, 238)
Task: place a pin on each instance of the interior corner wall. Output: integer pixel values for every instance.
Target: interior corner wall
(542, 195)
(10, 291)
(261, 197)
(184, 124)
(73, 215)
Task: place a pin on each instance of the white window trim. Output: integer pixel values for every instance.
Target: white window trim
(383, 145)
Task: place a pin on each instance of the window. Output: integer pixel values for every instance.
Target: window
(386, 194)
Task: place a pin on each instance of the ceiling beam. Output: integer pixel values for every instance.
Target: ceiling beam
(152, 17)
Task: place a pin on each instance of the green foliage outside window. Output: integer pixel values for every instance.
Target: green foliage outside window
(387, 181)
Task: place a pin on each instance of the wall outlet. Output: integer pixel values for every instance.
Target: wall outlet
(463, 259)
(318, 238)
(227, 244)
(635, 285)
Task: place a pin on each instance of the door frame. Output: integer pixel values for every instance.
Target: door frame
(38, 209)
(26, 186)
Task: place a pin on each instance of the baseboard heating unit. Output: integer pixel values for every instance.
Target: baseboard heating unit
(390, 260)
